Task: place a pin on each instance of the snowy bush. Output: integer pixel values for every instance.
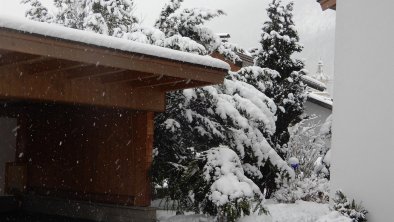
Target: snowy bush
(349, 208)
(312, 188)
(309, 146)
(231, 191)
(214, 183)
(234, 114)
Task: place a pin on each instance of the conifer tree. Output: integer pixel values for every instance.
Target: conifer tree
(279, 42)
(108, 17)
(189, 23)
(37, 11)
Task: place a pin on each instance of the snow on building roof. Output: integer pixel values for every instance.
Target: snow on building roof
(323, 101)
(61, 32)
(313, 83)
(224, 35)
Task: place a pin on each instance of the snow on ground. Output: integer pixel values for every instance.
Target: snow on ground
(300, 211)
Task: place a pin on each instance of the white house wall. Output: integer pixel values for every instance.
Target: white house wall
(363, 128)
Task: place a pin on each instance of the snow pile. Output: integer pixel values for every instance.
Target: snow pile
(60, 32)
(300, 211)
(320, 98)
(313, 188)
(230, 184)
(334, 217)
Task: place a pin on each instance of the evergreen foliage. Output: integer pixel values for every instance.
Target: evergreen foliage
(189, 23)
(234, 114)
(109, 17)
(279, 41)
(37, 11)
(349, 208)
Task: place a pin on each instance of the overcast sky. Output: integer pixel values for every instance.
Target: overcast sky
(243, 21)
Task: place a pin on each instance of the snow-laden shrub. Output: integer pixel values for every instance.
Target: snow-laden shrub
(313, 188)
(234, 114)
(310, 146)
(215, 184)
(231, 191)
(349, 208)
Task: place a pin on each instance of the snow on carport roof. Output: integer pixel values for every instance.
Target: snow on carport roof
(61, 32)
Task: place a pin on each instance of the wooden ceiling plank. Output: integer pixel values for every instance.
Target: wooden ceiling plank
(56, 67)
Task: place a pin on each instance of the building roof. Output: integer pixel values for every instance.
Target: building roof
(323, 101)
(247, 60)
(328, 4)
(41, 61)
(313, 83)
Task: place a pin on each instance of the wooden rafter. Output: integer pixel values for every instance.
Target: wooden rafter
(125, 76)
(20, 63)
(57, 66)
(90, 71)
(181, 85)
(8, 57)
(154, 81)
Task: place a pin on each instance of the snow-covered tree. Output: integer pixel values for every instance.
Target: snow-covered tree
(109, 17)
(279, 41)
(234, 114)
(36, 11)
(189, 23)
(214, 183)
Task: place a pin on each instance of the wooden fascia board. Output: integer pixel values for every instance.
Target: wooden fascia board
(13, 40)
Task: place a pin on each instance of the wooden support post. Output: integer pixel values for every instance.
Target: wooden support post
(21, 138)
(142, 140)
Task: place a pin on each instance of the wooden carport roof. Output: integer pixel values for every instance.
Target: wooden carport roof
(46, 62)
